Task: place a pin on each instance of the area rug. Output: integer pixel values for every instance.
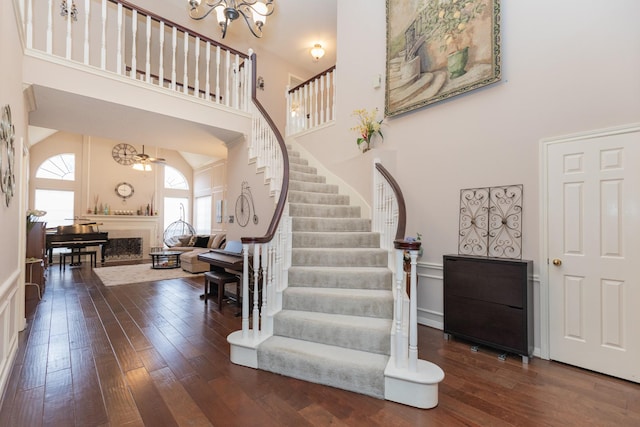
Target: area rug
(137, 273)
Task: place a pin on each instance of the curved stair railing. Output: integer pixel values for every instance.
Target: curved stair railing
(265, 263)
(390, 219)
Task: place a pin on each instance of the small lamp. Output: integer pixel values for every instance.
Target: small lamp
(317, 51)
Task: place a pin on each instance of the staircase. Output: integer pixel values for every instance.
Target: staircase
(335, 325)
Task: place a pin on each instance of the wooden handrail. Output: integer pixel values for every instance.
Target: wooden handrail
(158, 18)
(277, 214)
(399, 242)
(327, 71)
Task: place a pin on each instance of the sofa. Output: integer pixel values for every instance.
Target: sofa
(192, 246)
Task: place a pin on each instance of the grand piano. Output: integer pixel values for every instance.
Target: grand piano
(76, 237)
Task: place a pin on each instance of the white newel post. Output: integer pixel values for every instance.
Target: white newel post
(245, 291)
(413, 314)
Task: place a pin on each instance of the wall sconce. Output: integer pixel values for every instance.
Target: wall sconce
(317, 51)
(260, 83)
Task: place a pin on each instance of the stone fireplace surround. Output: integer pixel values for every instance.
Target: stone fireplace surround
(148, 228)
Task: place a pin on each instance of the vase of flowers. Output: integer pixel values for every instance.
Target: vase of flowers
(33, 215)
(367, 128)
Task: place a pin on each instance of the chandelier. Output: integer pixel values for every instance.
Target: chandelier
(70, 11)
(254, 12)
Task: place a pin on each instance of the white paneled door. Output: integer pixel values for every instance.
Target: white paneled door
(594, 252)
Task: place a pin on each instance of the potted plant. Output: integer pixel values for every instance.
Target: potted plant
(368, 127)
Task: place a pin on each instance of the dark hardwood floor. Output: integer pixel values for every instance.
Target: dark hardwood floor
(153, 354)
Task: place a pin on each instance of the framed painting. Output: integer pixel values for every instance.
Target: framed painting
(437, 49)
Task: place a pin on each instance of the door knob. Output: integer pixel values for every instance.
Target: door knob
(557, 262)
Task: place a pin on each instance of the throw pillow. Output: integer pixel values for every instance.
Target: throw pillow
(192, 241)
(218, 240)
(184, 240)
(201, 241)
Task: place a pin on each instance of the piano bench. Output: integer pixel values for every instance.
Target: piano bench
(73, 255)
(219, 278)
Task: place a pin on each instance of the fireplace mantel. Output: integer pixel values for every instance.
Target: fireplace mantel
(120, 226)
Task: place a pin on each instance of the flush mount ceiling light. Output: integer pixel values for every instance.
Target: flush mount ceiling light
(317, 51)
(254, 12)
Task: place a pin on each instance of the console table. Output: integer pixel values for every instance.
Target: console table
(489, 301)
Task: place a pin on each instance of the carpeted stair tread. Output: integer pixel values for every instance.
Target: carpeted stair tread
(332, 211)
(330, 224)
(339, 257)
(302, 168)
(336, 239)
(297, 160)
(353, 302)
(306, 177)
(348, 369)
(355, 332)
(318, 198)
(313, 187)
(341, 277)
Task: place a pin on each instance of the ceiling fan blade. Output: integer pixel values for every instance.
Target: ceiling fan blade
(156, 160)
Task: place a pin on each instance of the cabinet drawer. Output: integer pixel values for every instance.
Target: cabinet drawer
(497, 281)
(487, 323)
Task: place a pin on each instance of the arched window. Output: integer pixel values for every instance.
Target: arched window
(60, 166)
(174, 180)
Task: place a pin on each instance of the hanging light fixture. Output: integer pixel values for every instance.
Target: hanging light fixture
(254, 12)
(317, 51)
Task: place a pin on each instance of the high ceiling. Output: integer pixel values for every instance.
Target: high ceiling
(294, 27)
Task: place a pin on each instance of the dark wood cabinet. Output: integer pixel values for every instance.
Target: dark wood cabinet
(489, 301)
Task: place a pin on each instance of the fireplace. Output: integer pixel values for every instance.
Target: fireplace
(124, 248)
(131, 237)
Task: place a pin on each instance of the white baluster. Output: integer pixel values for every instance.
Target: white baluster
(322, 96)
(87, 9)
(329, 97)
(227, 101)
(207, 88)
(119, 55)
(256, 287)
(316, 116)
(134, 38)
(69, 33)
(50, 28)
(185, 75)
(147, 61)
(174, 45)
(236, 81)
(29, 24)
(413, 314)
(196, 69)
(245, 291)
(399, 350)
(103, 39)
(216, 95)
(161, 56)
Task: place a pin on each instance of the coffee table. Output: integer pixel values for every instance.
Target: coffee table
(165, 259)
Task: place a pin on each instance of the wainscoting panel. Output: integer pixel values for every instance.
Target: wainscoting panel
(10, 303)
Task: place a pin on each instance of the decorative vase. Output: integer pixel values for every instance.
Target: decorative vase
(367, 146)
(457, 61)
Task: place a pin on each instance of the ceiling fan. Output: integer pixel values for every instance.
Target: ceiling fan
(145, 158)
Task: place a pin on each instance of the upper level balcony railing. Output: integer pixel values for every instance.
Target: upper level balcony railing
(312, 104)
(119, 37)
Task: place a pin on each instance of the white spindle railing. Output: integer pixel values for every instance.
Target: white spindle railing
(388, 209)
(311, 104)
(116, 36)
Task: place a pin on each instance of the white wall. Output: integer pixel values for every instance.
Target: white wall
(12, 217)
(567, 66)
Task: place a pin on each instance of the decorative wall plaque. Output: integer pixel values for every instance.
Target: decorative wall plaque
(491, 222)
